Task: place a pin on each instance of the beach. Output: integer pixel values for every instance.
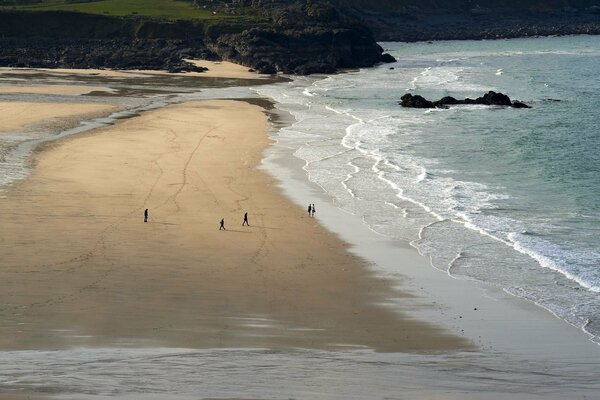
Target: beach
(95, 303)
(81, 267)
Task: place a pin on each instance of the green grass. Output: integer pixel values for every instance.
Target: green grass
(160, 9)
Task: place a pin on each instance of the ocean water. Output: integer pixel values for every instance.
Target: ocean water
(508, 197)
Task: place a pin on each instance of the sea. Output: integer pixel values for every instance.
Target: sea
(507, 197)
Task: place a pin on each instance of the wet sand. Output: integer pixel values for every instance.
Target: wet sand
(61, 90)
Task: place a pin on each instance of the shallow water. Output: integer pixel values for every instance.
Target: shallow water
(267, 374)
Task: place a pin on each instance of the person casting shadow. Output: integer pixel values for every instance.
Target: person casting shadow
(222, 227)
(146, 215)
(245, 220)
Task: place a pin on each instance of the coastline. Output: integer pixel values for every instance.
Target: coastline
(100, 249)
(473, 309)
(422, 293)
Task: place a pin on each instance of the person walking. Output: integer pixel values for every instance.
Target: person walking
(309, 210)
(222, 227)
(146, 215)
(245, 220)
(313, 210)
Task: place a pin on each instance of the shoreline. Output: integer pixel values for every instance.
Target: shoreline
(382, 338)
(303, 185)
(447, 296)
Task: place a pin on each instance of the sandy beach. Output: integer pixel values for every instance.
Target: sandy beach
(81, 268)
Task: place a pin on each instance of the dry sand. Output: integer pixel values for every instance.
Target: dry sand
(17, 115)
(79, 267)
(226, 69)
(220, 69)
(62, 90)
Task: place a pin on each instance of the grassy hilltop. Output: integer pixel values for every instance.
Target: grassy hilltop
(160, 9)
(203, 9)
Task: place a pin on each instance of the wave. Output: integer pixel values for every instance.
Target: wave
(552, 257)
(461, 198)
(369, 156)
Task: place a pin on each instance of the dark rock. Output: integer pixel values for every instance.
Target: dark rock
(103, 53)
(301, 50)
(314, 68)
(444, 101)
(491, 98)
(265, 68)
(387, 58)
(408, 100)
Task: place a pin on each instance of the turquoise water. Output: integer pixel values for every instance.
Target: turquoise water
(504, 196)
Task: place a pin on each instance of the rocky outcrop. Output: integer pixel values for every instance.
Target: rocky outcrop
(491, 98)
(387, 58)
(299, 51)
(301, 37)
(416, 101)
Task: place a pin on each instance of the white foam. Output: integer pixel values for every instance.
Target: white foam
(375, 163)
(517, 240)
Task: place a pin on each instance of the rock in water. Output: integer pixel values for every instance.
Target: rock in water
(387, 58)
(491, 98)
(446, 101)
(408, 100)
